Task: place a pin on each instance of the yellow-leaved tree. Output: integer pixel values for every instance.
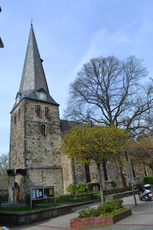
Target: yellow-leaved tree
(96, 143)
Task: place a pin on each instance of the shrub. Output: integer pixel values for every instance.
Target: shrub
(148, 179)
(27, 200)
(1, 200)
(108, 207)
(81, 187)
(5, 198)
(118, 203)
(113, 184)
(102, 209)
(71, 189)
(95, 212)
(85, 212)
(91, 185)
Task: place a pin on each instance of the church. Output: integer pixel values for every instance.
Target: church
(36, 137)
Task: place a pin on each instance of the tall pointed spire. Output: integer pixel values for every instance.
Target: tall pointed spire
(33, 82)
(33, 76)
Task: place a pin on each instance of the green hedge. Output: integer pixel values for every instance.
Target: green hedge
(73, 198)
(1, 200)
(148, 179)
(74, 195)
(80, 187)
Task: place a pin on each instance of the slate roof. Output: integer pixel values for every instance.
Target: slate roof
(67, 125)
(1, 43)
(33, 77)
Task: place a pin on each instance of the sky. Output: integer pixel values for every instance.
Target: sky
(69, 33)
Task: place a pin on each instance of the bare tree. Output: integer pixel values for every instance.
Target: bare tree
(141, 151)
(111, 91)
(4, 165)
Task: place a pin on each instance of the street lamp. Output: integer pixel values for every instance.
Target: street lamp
(130, 175)
(11, 172)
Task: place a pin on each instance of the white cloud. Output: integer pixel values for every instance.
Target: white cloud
(103, 44)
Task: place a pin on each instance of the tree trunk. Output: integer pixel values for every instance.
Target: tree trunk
(100, 183)
(73, 171)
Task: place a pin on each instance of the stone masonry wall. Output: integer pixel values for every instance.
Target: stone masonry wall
(42, 150)
(66, 171)
(137, 173)
(80, 173)
(17, 158)
(45, 177)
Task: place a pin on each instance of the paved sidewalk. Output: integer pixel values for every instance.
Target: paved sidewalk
(60, 222)
(141, 219)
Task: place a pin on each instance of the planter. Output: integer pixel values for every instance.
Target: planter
(95, 221)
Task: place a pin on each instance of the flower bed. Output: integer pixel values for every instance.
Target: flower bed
(95, 221)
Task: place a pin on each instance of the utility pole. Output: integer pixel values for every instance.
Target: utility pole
(130, 177)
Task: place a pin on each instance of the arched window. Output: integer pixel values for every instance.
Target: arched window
(43, 130)
(104, 169)
(46, 112)
(133, 169)
(19, 115)
(88, 179)
(38, 111)
(15, 119)
(145, 171)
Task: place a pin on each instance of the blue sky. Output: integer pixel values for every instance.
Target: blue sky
(69, 33)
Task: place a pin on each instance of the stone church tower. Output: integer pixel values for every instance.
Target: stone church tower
(35, 129)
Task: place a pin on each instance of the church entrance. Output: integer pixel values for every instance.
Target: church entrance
(124, 181)
(87, 173)
(16, 192)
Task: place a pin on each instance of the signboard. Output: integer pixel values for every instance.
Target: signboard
(39, 193)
